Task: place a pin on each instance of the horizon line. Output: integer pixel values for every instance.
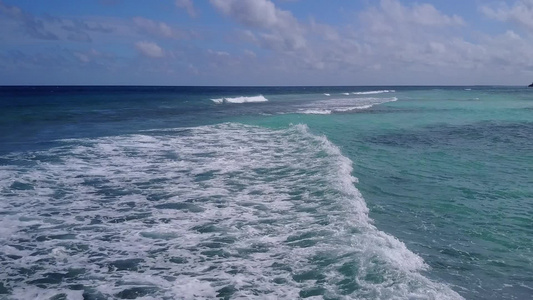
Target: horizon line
(257, 86)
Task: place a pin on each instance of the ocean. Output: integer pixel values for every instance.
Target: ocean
(266, 192)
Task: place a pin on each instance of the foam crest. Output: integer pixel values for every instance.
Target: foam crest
(316, 111)
(241, 99)
(374, 92)
(218, 211)
(339, 105)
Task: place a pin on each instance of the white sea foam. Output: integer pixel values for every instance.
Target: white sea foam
(241, 99)
(346, 94)
(374, 92)
(191, 213)
(328, 112)
(33, 292)
(326, 94)
(329, 106)
(315, 111)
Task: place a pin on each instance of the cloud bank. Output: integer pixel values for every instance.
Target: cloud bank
(256, 42)
(520, 13)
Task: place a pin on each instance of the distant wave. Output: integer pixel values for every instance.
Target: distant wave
(326, 94)
(354, 108)
(316, 112)
(374, 92)
(328, 111)
(346, 94)
(241, 99)
(328, 107)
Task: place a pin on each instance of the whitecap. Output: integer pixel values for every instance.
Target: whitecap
(374, 92)
(343, 109)
(329, 106)
(315, 112)
(218, 100)
(241, 99)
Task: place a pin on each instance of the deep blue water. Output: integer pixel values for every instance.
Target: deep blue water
(266, 192)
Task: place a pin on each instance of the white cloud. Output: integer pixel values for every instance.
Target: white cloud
(218, 53)
(509, 51)
(389, 41)
(392, 16)
(250, 53)
(16, 22)
(390, 32)
(150, 49)
(159, 29)
(421, 14)
(255, 13)
(84, 58)
(187, 5)
(281, 30)
(409, 34)
(520, 13)
(93, 56)
(400, 37)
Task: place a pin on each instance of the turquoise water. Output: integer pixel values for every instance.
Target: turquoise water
(325, 192)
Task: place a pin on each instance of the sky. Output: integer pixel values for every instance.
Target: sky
(266, 42)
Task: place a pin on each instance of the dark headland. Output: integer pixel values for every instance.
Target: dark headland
(531, 85)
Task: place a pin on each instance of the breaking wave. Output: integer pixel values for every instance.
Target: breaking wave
(241, 99)
(374, 92)
(223, 211)
(329, 106)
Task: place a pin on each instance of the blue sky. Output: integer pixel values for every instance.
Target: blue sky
(266, 42)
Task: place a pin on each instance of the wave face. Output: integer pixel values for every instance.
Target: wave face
(215, 211)
(241, 99)
(325, 107)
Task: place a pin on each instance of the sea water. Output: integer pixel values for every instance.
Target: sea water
(267, 193)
